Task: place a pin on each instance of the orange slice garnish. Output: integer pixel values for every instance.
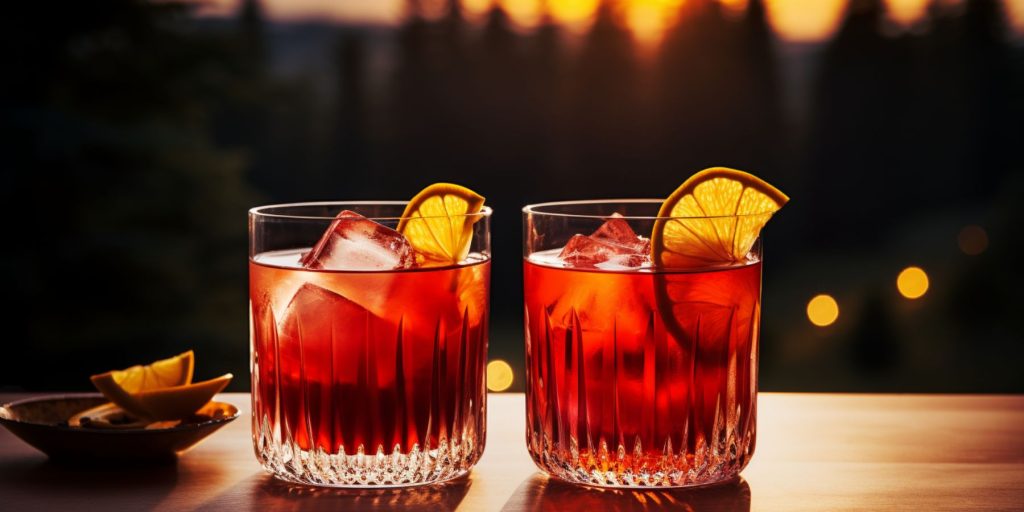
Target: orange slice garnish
(438, 222)
(713, 218)
(711, 221)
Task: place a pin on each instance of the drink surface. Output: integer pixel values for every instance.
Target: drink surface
(368, 362)
(641, 377)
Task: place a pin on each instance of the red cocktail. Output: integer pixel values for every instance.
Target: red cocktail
(637, 375)
(367, 367)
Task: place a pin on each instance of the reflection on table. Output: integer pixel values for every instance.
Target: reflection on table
(541, 493)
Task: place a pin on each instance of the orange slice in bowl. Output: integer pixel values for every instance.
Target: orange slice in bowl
(179, 402)
(716, 216)
(120, 386)
(438, 222)
(162, 390)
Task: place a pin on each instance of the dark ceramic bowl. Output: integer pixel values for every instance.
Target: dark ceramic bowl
(42, 423)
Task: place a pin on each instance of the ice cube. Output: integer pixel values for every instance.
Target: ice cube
(353, 242)
(316, 311)
(614, 246)
(622, 262)
(322, 336)
(587, 251)
(617, 231)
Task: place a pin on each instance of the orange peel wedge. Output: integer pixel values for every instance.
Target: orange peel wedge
(162, 390)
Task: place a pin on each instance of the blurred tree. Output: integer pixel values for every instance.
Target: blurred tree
(718, 97)
(875, 348)
(861, 102)
(430, 101)
(995, 116)
(351, 138)
(131, 245)
(252, 36)
(876, 124)
(985, 299)
(278, 124)
(605, 124)
(149, 131)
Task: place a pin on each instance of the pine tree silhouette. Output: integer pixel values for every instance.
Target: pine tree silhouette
(719, 98)
(350, 173)
(861, 103)
(136, 236)
(603, 112)
(995, 120)
(430, 104)
(547, 63)
(253, 35)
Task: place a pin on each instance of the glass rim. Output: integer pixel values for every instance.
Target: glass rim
(537, 209)
(258, 211)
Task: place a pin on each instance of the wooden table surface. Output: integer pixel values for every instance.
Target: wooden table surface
(814, 452)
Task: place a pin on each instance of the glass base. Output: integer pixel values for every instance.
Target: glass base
(378, 470)
(621, 470)
(381, 486)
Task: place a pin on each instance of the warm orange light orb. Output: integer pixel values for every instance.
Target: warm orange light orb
(912, 282)
(525, 13)
(906, 12)
(648, 19)
(572, 11)
(499, 375)
(822, 310)
(803, 20)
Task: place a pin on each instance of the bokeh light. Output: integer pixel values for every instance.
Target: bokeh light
(803, 21)
(912, 282)
(570, 12)
(734, 8)
(793, 20)
(525, 13)
(822, 310)
(972, 240)
(499, 375)
(648, 19)
(906, 12)
(433, 9)
(477, 7)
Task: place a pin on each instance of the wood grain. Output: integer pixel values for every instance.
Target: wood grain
(815, 452)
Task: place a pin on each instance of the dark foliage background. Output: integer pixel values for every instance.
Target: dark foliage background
(137, 134)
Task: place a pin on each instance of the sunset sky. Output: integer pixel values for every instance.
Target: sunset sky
(792, 20)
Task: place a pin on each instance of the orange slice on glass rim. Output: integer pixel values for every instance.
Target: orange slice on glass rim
(438, 222)
(711, 221)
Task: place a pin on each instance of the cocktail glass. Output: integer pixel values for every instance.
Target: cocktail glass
(636, 376)
(367, 368)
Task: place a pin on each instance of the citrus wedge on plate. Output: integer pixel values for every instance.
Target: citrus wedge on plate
(438, 222)
(179, 402)
(107, 416)
(713, 219)
(160, 390)
(120, 386)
